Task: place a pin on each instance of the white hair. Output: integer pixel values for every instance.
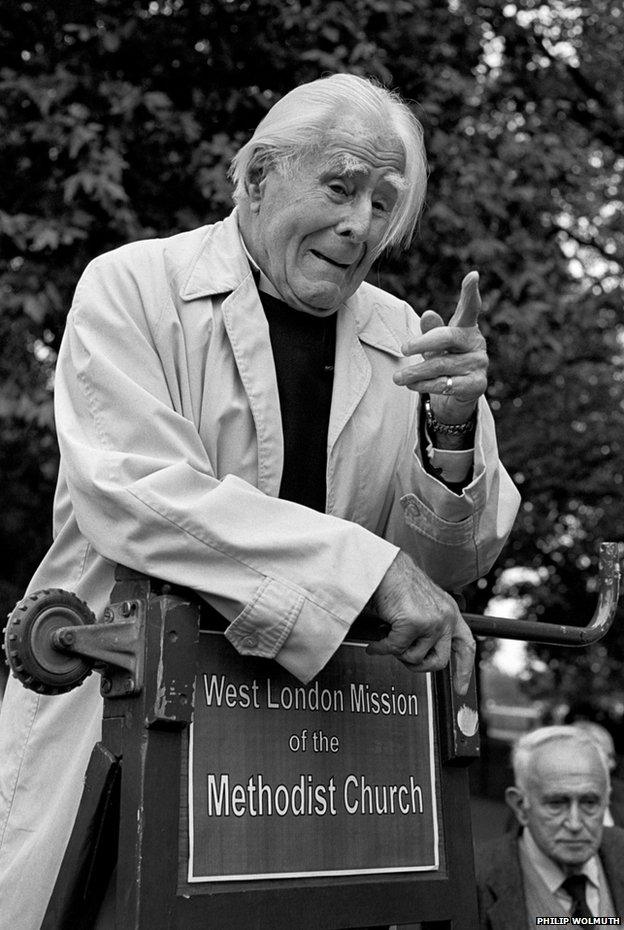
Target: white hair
(526, 747)
(299, 124)
(601, 737)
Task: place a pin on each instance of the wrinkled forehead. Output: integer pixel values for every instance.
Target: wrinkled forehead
(350, 165)
(358, 149)
(569, 769)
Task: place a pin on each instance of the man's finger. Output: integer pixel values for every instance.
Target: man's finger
(439, 365)
(469, 305)
(403, 646)
(442, 339)
(463, 647)
(435, 658)
(430, 320)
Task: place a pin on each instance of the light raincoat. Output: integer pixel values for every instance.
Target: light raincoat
(169, 427)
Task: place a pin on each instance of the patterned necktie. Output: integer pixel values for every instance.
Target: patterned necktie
(575, 886)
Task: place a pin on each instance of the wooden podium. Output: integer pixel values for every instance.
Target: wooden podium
(341, 804)
(224, 795)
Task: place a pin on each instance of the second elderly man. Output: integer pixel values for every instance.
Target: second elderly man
(563, 866)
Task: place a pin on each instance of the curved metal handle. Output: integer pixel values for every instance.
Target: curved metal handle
(560, 634)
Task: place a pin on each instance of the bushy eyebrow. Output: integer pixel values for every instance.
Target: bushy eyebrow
(348, 166)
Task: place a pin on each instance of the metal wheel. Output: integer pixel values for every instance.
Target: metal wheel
(28, 641)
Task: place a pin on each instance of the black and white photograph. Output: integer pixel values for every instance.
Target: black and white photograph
(311, 464)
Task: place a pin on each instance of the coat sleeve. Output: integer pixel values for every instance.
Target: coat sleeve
(144, 493)
(455, 538)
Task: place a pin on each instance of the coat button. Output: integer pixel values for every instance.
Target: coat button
(250, 641)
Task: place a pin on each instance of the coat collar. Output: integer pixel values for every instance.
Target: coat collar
(219, 266)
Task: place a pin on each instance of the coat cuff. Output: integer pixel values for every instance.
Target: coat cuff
(300, 632)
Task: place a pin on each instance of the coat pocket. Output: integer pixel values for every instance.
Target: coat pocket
(424, 521)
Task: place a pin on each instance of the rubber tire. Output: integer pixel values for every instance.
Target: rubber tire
(28, 641)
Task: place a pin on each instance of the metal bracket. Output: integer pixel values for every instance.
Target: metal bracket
(116, 647)
(155, 628)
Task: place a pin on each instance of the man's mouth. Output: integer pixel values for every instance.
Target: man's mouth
(331, 261)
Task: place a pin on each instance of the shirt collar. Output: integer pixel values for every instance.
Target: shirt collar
(549, 871)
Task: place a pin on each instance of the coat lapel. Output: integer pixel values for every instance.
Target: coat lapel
(248, 332)
(359, 321)
(352, 375)
(612, 856)
(220, 267)
(508, 912)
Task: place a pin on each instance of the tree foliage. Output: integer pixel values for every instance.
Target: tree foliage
(118, 121)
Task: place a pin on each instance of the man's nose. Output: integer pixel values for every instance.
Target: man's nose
(573, 817)
(356, 223)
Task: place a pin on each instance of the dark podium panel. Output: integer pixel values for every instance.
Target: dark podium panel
(340, 804)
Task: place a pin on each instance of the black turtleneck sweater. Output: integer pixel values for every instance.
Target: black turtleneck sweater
(304, 347)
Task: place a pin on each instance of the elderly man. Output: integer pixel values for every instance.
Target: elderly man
(564, 863)
(240, 414)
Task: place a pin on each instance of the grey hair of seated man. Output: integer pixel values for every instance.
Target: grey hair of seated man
(301, 122)
(525, 748)
(601, 737)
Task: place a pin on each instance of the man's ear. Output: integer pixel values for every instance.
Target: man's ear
(254, 185)
(517, 802)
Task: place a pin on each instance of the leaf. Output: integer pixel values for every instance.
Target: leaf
(34, 307)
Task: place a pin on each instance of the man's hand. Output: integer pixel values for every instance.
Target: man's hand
(426, 625)
(454, 370)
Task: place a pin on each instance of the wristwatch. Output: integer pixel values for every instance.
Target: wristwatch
(450, 429)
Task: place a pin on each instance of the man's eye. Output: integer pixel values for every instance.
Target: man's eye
(556, 806)
(589, 805)
(338, 188)
(380, 205)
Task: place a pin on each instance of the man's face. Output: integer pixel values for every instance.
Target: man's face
(315, 229)
(565, 803)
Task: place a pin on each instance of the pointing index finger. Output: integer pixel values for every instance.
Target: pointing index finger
(469, 305)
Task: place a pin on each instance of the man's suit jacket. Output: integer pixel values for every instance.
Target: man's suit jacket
(500, 886)
(616, 802)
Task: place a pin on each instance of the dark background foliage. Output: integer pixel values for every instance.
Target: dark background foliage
(117, 122)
